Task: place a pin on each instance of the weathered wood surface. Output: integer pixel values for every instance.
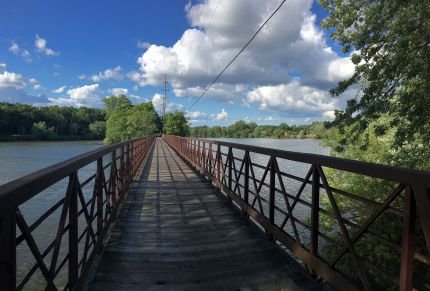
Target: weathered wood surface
(176, 232)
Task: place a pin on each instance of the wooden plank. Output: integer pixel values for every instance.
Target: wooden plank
(176, 232)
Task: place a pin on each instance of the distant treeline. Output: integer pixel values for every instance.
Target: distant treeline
(28, 122)
(242, 129)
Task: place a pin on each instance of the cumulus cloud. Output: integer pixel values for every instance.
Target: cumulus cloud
(119, 91)
(88, 95)
(35, 84)
(223, 115)
(2, 67)
(157, 101)
(195, 116)
(59, 90)
(114, 73)
(16, 50)
(276, 57)
(41, 47)
(292, 99)
(278, 50)
(10, 79)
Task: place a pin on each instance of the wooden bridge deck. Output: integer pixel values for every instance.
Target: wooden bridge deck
(176, 232)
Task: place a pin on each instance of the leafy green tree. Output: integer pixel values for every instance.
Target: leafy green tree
(391, 51)
(117, 111)
(98, 128)
(175, 123)
(41, 131)
(388, 121)
(142, 120)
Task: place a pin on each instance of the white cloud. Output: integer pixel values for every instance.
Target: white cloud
(194, 114)
(35, 84)
(16, 50)
(88, 95)
(9, 79)
(82, 77)
(2, 67)
(157, 101)
(119, 91)
(143, 44)
(223, 115)
(273, 55)
(137, 98)
(292, 99)
(279, 54)
(59, 90)
(114, 73)
(40, 44)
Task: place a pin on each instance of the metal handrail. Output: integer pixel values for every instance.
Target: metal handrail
(102, 209)
(262, 195)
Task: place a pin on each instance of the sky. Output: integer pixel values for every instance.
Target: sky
(75, 53)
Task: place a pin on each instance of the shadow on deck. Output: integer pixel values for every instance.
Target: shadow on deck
(177, 232)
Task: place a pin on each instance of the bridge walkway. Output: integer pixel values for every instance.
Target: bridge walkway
(177, 232)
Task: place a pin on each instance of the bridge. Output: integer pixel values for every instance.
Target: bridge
(190, 214)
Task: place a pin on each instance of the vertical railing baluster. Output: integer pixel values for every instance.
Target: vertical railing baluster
(246, 178)
(113, 181)
(199, 161)
(73, 231)
(8, 247)
(408, 245)
(128, 166)
(272, 192)
(315, 208)
(230, 168)
(122, 173)
(210, 160)
(99, 199)
(218, 166)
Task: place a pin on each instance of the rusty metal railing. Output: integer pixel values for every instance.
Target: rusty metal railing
(292, 208)
(84, 216)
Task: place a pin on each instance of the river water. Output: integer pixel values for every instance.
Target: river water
(21, 158)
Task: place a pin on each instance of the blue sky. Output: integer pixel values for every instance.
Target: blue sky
(78, 52)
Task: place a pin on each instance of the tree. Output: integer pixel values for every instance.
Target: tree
(98, 128)
(41, 131)
(176, 124)
(391, 53)
(142, 120)
(117, 110)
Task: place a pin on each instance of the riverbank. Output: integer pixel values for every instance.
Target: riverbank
(12, 138)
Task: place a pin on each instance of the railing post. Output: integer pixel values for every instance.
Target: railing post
(246, 179)
(199, 160)
(218, 166)
(73, 231)
(122, 173)
(128, 164)
(113, 181)
(230, 168)
(99, 199)
(210, 160)
(315, 208)
(8, 248)
(408, 246)
(203, 158)
(272, 194)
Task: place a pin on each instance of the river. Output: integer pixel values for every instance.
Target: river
(21, 158)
